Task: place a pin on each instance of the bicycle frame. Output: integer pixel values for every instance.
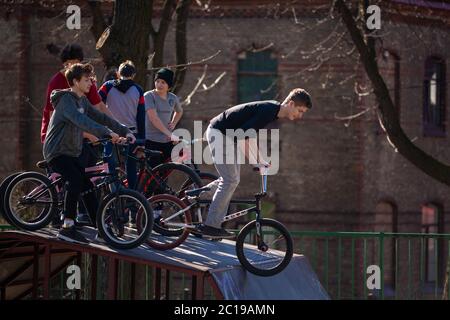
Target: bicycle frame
(198, 203)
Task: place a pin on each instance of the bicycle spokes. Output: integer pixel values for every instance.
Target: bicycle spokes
(118, 218)
(29, 200)
(265, 247)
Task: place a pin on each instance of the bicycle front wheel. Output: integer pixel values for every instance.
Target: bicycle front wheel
(114, 217)
(269, 252)
(30, 201)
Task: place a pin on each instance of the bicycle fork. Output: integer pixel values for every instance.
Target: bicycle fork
(259, 233)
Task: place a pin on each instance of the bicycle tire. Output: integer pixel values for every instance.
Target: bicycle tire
(245, 261)
(172, 238)
(3, 187)
(165, 170)
(142, 237)
(43, 218)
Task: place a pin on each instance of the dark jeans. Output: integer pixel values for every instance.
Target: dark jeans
(164, 147)
(89, 154)
(131, 166)
(72, 171)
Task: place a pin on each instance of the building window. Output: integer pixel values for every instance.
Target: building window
(432, 223)
(434, 98)
(257, 76)
(386, 216)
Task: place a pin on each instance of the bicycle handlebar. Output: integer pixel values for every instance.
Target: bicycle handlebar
(103, 140)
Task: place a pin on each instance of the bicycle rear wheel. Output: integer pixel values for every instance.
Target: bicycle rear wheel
(114, 214)
(169, 222)
(3, 187)
(30, 201)
(170, 178)
(267, 254)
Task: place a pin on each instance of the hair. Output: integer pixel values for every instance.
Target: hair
(127, 69)
(300, 97)
(77, 71)
(72, 52)
(111, 74)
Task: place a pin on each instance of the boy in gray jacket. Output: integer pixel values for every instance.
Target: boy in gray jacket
(63, 143)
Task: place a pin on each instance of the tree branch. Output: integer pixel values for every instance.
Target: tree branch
(389, 116)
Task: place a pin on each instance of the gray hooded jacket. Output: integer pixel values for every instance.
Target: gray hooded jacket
(72, 116)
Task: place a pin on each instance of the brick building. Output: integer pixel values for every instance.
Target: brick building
(335, 175)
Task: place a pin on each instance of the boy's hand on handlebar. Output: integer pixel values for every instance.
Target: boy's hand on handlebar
(114, 137)
(131, 138)
(92, 139)
(175, 138)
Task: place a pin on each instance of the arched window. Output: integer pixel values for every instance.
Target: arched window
(257, 76)
(434, 98)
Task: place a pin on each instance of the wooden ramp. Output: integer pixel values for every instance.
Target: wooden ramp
(30, 259)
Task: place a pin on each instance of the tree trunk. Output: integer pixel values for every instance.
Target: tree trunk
(388, 112)
(159, 37)
(181, 43)
(128, 35)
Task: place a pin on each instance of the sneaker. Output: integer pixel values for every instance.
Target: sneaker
(211, 232)
(71, 235)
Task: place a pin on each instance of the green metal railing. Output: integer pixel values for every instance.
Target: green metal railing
(411, 265)
(4, 227)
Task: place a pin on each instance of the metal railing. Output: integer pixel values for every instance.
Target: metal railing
(410, 265)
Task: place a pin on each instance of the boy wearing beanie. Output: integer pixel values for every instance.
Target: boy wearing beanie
(163, 110)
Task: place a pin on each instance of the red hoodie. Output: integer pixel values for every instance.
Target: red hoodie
(59, 81)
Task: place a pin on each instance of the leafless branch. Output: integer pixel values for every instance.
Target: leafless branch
(187, 101)
(212, 85)
(187, 64)
(354, 116)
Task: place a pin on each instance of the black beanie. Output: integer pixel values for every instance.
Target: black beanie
(166, 75)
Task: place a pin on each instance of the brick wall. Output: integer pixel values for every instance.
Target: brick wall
(332, 176)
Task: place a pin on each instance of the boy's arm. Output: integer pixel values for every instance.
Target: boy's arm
(140, 115)
(102, 107)
(176, 115)
(252, 152)
(157, 123)
(103, 119)
(103, 93)
(81, 120)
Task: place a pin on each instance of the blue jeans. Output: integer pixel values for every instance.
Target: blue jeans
(131, 164)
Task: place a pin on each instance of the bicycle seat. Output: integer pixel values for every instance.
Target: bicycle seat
(196, 192)
(42, 164)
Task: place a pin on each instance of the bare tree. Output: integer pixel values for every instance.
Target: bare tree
(128, 37)
(387, 113)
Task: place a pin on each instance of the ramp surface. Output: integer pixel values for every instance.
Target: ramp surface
(216, 260)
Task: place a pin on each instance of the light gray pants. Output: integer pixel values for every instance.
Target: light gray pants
(224, 187)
